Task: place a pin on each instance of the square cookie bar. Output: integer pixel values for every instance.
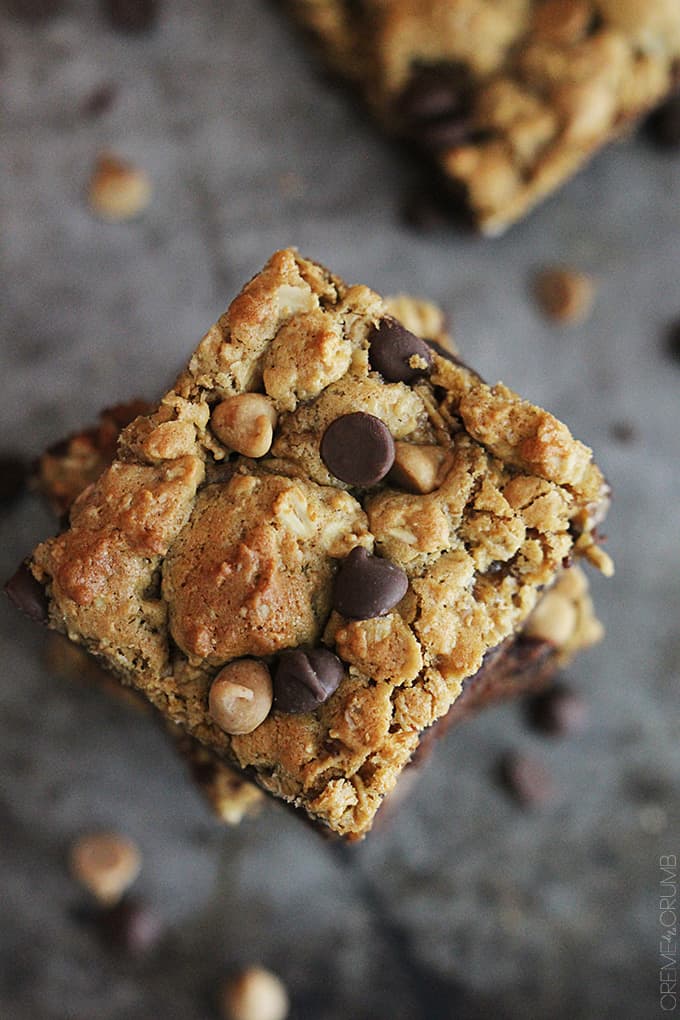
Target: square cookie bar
(505, 99)
(562, 623)
(325, 527)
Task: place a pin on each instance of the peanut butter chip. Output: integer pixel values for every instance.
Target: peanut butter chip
(245, 423)
(118, 191)
(255, 994)
(564, 295)
(105, 863)
(241, 696)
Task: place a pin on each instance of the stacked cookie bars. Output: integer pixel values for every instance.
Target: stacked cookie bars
(506, 98)
(306, 552)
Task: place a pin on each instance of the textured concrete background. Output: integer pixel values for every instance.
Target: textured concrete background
(465, 906)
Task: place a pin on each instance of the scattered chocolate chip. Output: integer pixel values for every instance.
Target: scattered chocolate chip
(398, 354)
(526, 779)
(99, 101)
(27, 594)
(13, 475)
(622, 431)
(358, 449)
(132, 15)
(673, 340)
(130, 926)
(663, 126)
(367, 586)
(33, 11)
(424, 211)
(558, 711)
(304, 679)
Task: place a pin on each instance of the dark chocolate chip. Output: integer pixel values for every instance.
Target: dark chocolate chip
(358, 449)
(434, 109)
(99, 101)
(398, 354)
(27, 594)
(304, 679)
(13, 475)
(132, 15)
(559, 711)
(433, 93)
(424, 211)
(526, 779)
(673, 340)
(130, 926)
(663, 126)
(622, 431)
(367, 586)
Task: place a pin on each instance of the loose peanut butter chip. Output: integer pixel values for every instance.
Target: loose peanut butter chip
(118, 191)
(398, 354)
(305, 679)
(241, 696)
(367, 586)
(105, 863)
(245, 423)
(358, 449)
(255, 994)
(564, 295)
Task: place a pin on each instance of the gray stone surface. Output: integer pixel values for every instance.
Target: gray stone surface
(544, 915)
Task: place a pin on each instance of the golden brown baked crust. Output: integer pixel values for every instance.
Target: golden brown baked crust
(173, 558)
(534, 86)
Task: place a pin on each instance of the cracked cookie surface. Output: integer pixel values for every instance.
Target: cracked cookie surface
(185, 555)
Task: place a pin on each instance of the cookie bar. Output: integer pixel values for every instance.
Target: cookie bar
(69, 466)
(316, 538)
(506, 100)
(562, 623)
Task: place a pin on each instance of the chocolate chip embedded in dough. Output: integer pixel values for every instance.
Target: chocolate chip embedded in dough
(358, 449)
(398, 354)
(27, 594)
(304, 679)
(663, 126)
(436, 97)
(367, 586)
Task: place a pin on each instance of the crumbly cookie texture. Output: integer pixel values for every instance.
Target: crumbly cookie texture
(184, 555)
(507, 99)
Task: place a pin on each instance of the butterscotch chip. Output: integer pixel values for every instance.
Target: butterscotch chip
(418, 468)
(118, 191)
(564, 295)
(255, 994)
(245, 423)
(241, 696)
(105, 863)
